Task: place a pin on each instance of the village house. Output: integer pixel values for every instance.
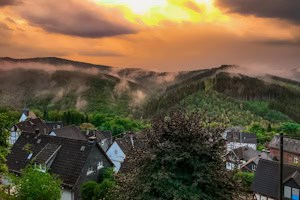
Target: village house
(130, 143)
(251, 165)
(74, 161)
(26, 114)
(36, 126)
(103, 138)
(291, 149)
(110, 146)
(236, 138)
(244, 158)
(266, 181)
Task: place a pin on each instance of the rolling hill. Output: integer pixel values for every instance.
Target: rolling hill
(61, 84)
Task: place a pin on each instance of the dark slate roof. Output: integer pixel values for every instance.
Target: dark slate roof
(267, 177)
(256, 159)
(33, 125)
(295, 176)
(289, 145)
(54, 125)
(72, 132)
(68, 163)
(100, 135)
(48, 152)
(104, 134)
(104, 138)
(246, 153)
(237, 136)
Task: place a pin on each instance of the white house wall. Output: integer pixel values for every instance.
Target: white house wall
(14, 135)
(117, 165)
(261, 197)
(23, 118)
(116, 155)
(235, 145)
(66, 195)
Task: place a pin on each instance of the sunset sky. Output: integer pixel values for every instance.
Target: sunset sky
(165, 35)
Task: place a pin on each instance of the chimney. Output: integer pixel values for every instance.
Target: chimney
(87, 132)
(92, 140)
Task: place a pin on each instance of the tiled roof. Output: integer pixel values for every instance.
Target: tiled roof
(266, 180)
(129, 143)
(69, 160)
(245, 153)
(72, 132)
(54, 125)
(295, 176)
(33, 125)
(48, 152)
(235, 135)
(289, 145)
(256, 159)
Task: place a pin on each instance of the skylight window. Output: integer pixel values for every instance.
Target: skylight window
(82, 148)
(29, 156)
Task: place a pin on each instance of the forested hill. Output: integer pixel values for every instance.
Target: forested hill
(59, 84)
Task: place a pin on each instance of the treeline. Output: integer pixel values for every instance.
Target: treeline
(245, 88)
(67, 117)
(105, 122)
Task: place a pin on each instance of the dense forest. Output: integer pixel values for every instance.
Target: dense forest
(129, 98)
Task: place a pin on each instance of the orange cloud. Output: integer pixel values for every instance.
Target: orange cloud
(198, 39)
(75, 18)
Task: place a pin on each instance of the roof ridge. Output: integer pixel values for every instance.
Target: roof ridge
(56, 137)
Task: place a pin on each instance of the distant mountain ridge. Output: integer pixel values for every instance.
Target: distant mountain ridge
(54, 61)
(62, 84)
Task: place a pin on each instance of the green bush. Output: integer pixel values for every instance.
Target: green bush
(88, 190)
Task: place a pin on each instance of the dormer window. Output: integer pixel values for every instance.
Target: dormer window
(291, 193)
(287, 192)
(29, 156)
(295, 194)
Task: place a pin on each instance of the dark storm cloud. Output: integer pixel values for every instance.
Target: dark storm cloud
(282, 9)
(76, 18)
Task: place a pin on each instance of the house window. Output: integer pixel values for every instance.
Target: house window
(295, 194)
(116, 151)
(253, 167)
(287, 192)
(100, 165)
(296, 160)
(29, 156)
(90, 170)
